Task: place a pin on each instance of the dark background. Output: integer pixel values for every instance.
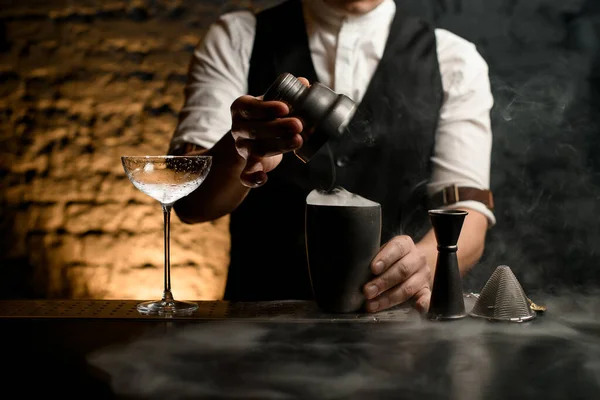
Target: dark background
(82, 82)
(544, 64)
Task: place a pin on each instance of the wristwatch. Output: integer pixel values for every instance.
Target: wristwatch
(184, 148)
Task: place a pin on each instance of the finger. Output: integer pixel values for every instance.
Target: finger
(268, 147)
(391, 252)
(396, 274)
(422, 299)
(277, 128)
(304, 81)
(252, 108)
(399, 294)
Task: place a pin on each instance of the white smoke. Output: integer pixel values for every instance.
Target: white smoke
(469, 359)
(338, 197)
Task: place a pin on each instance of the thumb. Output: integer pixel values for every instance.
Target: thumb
(255, 173)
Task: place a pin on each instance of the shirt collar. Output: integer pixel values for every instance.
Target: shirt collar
(324, 13)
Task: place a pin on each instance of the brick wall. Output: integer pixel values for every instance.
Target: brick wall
(82, 83)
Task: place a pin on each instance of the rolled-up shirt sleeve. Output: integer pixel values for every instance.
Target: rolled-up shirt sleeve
(462, 154)
(218, 74)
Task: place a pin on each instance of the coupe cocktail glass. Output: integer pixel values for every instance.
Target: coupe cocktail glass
(167, 179)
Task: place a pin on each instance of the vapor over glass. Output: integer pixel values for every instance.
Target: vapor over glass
(167, 179)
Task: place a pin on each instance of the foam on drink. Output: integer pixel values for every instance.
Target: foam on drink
(338, 197)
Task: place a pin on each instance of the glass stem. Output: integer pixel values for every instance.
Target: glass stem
(167, 295)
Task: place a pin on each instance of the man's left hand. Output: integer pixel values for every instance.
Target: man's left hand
(402, 273)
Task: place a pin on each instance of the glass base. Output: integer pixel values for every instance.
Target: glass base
(168, 308)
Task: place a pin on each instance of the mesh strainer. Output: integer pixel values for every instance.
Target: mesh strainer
(503, 299)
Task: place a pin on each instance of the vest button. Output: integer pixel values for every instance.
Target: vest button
(342, 161)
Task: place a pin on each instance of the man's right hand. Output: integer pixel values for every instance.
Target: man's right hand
(263, 131)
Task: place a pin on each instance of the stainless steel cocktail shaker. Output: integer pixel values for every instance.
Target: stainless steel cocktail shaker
(341, 242)
(323, 112)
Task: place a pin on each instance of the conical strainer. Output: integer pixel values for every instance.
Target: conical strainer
(503, 299)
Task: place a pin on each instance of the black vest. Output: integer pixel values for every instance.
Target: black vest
(384, 155)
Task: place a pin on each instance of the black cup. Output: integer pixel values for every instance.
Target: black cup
(341, 242)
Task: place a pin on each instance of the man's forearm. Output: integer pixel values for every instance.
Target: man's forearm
(222, 190)
(470, 244)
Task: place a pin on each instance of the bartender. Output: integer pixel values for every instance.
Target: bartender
(421, 138)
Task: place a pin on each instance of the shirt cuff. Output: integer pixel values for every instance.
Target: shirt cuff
(476, 206)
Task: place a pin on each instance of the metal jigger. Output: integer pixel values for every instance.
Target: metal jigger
(447, 301)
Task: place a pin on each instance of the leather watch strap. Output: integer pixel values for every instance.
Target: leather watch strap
(453, 194)
(185, 148)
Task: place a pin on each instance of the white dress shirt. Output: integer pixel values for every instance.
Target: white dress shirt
(345, 52)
